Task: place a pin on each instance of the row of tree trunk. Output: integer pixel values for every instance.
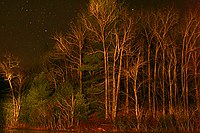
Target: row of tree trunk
(157, 43)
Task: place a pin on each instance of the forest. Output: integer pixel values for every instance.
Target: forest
(134, 70)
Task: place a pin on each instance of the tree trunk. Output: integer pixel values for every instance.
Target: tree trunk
(72, 110)
(136, 100)
(163, 80)
(154, 82)
(80, 74)
(114, 113)
(15, 114)
(106, 84)
(170, 89)
(149, 76)
(126, 85)
(114, 95)
(176, 99)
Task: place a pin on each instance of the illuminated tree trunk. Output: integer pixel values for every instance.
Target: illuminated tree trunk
(183, 75)
(149, 76)
(176, 99)
(134, 74)
(117, 88)
(149, 41)
(127, 85)
(114, 88)
(109, 92)
(154, 81)
(72, 109)
(136, 98)
(105, 71)
(163, 79)
(80, 72)
(106, 84)
(172, 68)
(170, 88)
(14, 102)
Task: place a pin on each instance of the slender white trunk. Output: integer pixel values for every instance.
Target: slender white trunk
(154, 82)
(170, 89)
(106, 84)
(126, 85)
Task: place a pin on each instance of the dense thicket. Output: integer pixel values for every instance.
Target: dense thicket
(137, 66)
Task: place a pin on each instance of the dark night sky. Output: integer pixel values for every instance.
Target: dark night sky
(26, 26)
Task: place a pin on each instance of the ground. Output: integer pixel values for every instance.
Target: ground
(96, 124)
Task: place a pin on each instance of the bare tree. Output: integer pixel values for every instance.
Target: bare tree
(149, 39)
(72, 46)
(10, 70)
(102, 14)
(172, 80)
(123, 36)
(160, 25)
(127, 51)
(175, 63)
(133, 73)
(152, 26)
(190, 35)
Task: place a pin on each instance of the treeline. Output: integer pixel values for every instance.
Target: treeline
(138, 68)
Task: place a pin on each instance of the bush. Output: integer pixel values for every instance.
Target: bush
(81, 107)
(36, 100)
(8, 113)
